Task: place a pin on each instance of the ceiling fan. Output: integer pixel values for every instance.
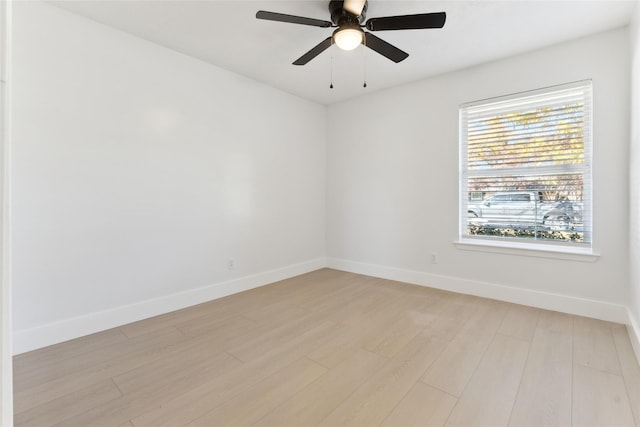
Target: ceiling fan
(348, 17)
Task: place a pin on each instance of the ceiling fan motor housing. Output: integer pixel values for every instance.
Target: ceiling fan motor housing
(340, 17)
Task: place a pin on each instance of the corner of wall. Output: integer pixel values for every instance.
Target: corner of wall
(633, 325)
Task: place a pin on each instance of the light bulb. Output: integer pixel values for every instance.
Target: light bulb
(348, 38)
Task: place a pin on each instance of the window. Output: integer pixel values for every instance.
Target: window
(526, 168)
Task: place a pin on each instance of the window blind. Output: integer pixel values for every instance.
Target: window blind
(526, 166)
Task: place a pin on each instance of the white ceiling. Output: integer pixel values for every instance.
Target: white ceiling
(227, 34)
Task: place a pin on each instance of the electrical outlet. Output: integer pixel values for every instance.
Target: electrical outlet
(231, 263)
(434, 258)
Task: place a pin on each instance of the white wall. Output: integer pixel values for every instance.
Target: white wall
(634, 301)
(138, 172)
(392, 195)
(6, 374)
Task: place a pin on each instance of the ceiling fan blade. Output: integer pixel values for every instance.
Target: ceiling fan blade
(354, 7)
(407, 22)
(320, 47)
(384, 48)
(292, 19)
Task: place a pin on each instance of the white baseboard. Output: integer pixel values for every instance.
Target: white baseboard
(549, 301)
(64, 330)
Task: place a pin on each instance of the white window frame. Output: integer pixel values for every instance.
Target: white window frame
(519, 245)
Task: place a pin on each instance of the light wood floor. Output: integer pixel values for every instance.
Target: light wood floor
(332, 348)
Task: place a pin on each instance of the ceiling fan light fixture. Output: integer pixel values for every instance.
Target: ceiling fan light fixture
(348, 38)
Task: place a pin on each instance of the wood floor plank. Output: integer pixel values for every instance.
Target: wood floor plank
(556, 321)
(145, 397)
(396, 335)
(486, 321)
(354, 307)
(450, 316)
(593, 345)
(62, 365)
(544, 396)
(372, 332)
(373, 401)
(488, 399)
(276, 336)
(299, 294)
(338, 347)
(24, 364)
(423, 406)
(454, 368)
(205, 324)
(457, 363)
(211, 311)
(203, 398)
(357, 333)
(315, 402)
(179, 362)
(68, 406)
(268, 312)
(164, 321)
(248, 407)
(630, 368)
(520, 322)
(37, 393)
(331, 291)
(600, 399)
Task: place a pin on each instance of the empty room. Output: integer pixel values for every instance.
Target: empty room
(314, 212)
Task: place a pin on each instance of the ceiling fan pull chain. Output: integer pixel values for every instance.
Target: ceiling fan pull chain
(331, 74)
(364, 63)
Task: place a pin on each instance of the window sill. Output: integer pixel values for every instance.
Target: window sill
(539, 251)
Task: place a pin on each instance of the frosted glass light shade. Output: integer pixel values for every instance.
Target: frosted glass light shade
(348, 38)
